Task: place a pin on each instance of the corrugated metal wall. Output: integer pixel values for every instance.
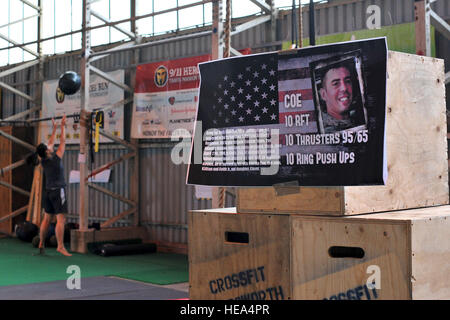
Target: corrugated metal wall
(164, 196)
(24, 81)
(349, 15)
(101, 206)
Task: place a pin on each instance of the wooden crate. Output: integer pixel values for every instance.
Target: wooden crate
(416, 142)
(223, 264)
(5, 193)
(409, 249)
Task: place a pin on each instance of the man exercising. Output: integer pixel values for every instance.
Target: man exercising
(54, 195)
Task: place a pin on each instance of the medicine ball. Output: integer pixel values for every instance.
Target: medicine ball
(35, 241)
(69, 82)
(26, 231)
(53, 242)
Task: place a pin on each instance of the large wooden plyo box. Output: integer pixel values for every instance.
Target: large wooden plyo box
(408, 250)
(416, 143)
(406, 253)
(235, 256)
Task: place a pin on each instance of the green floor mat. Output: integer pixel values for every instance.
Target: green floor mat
(19, 266)
(166, 276)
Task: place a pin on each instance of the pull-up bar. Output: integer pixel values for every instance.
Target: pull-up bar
(75, 115)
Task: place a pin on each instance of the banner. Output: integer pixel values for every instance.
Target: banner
(166, 97)
(308, 117)
(399, 37)
(102, 94)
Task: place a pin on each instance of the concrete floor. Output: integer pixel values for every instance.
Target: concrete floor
(95, 288)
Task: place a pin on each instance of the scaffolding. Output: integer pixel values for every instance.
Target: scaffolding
(221, 33)
(425, 18)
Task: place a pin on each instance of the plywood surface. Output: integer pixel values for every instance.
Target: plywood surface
(317, 275)
(416, 139)
(353, 283)
(416, 142)
(219, 269)
(430, 256)
(324, 200)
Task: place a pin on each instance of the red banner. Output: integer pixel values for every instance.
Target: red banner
(166, 97)
(169, 75)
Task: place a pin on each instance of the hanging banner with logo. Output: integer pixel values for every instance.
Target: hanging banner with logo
(102, 94)
(166, 97)
(308, 117)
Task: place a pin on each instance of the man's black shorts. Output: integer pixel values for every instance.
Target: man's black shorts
(55, 201)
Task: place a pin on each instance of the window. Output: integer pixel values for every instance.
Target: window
(62, 22)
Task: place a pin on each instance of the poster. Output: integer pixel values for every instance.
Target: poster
(308, 117)
(102, 94)
(166, 97)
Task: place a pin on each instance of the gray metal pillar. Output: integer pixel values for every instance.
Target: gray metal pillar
(83, 158)
(217, 41)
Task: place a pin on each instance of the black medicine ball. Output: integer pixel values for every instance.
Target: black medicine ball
(69, 82)
(26, 231)
(52, 242)
(35, 241)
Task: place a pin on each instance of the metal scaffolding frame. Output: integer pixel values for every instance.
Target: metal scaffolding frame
(36, 101)
(88, 56)
(425, 17)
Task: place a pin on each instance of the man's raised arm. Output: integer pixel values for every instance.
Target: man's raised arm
(62, 139)
(51, 141)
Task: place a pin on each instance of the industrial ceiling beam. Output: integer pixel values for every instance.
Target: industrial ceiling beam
(264, 6)
(18, 44)
(107, 21)
(440, 24)
(105, 76)
(37, 8)
(250, 24)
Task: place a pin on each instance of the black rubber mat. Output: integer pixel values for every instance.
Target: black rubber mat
(95, 288)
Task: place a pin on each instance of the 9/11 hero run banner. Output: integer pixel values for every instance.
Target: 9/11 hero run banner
(165, 98)
(308, 117)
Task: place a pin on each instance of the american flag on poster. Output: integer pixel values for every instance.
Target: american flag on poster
(262, 93)
(246, 95)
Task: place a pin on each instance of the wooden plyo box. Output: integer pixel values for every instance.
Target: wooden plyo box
(234, 256)
(416, 143)
(406, 252)
(409, 252)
